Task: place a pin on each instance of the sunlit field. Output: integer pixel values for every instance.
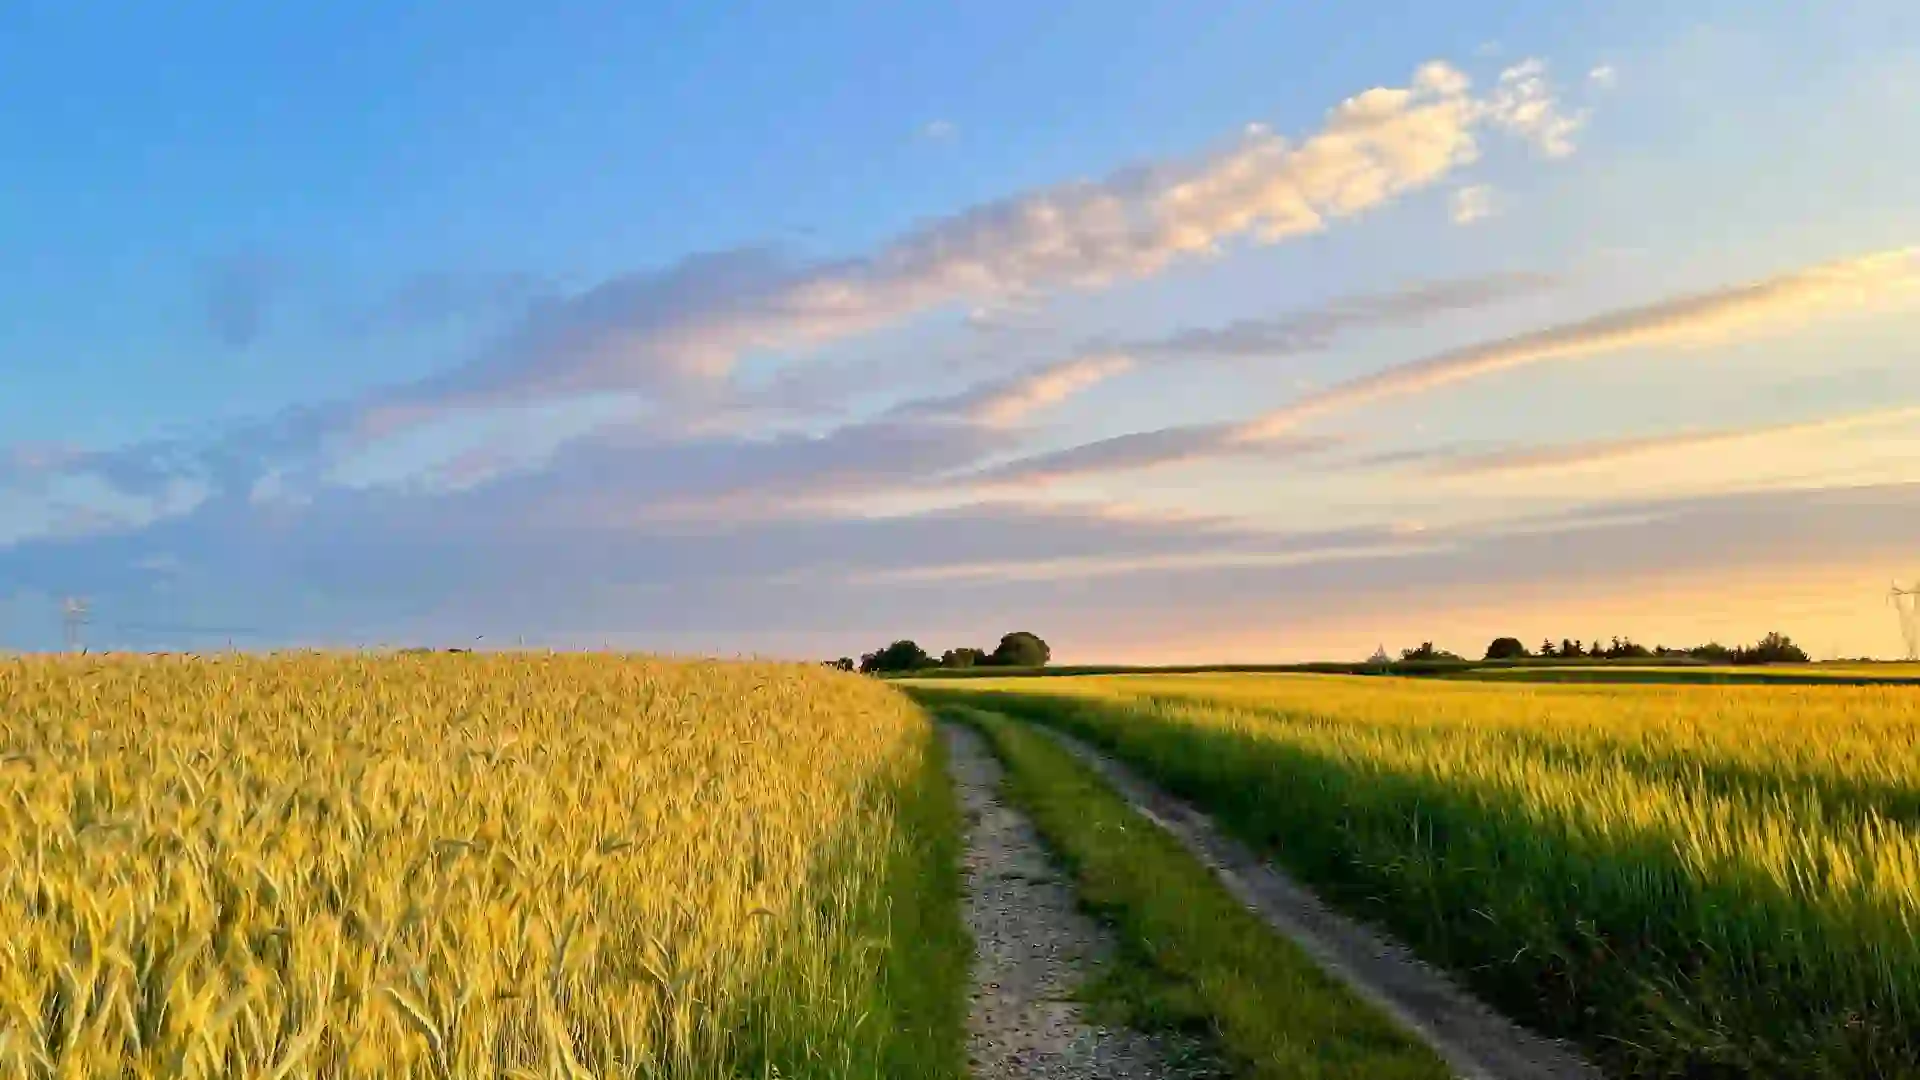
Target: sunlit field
(1688, 879)
(1615, 671)
(463, 866)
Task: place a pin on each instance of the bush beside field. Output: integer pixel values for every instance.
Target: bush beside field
(433, 866)
(1689, 880)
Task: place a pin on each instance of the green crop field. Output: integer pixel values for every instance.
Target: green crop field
(1698, 880)
(465, 866)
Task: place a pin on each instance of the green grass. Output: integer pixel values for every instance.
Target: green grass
(1701, 881)
(921, 1001)
(1192, 959)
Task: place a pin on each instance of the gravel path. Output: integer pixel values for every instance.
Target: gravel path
(1478, 1043)
(1032, 948)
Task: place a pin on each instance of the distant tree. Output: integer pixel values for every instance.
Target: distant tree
(1547, 648)
(962, 657)
(1596, 649)
(1712, 652)
(845, 663)
(1506, 648)
(1628, 649)
(1021, 649)
(902, 655)
(1775, 648)
(1571, 649)
(1426, 651)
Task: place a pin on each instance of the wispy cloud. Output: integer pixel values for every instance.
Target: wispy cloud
(24, 463)
(1865, 282)
(1524, 104)
(1317, 328)
(1005, 403)
(1141, 450)
(1603, 77)
(1093, 566)
(939, 131)
(822, 389)
(1687, 321)
(1588, 453)
(1471, 203)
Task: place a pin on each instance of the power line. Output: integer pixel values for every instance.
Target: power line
(75, 611)
(1907, 603)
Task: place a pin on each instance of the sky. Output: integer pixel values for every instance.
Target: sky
(1175, 332)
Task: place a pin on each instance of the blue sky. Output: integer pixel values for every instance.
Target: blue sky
(1254, 331)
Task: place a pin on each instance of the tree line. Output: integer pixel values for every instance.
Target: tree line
(1023, 649)
(1775, 648)
(1018, 649)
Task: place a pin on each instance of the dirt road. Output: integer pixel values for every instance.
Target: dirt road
(1033, 947)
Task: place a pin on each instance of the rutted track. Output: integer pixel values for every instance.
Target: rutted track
(1475, 1041)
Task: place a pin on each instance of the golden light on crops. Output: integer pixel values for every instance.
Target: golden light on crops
(440, 866)
(1694, 879)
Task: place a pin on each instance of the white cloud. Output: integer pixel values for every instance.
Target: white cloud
(939, 130)
(1603, 77)
(689, 323)
(1471, 203)
(1523, 104)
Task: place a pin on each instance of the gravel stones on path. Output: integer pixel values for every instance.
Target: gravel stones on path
(1033, 948)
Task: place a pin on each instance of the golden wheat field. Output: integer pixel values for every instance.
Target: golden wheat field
(453, 866)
